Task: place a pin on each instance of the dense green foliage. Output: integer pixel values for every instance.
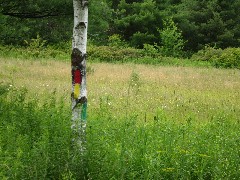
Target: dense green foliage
(115, 54)
(35, 141)
(214, 23)
(209, 22)
(227, 58)
(171, 39)
(23, 20)
(150, 54)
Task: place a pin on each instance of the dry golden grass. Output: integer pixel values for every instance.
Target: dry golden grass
(37, 76)
(175, 91)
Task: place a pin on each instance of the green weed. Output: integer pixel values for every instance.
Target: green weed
(35, 141)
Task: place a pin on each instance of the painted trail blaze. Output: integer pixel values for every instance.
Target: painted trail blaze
(78, 75)
(77, 79)
(76, 92)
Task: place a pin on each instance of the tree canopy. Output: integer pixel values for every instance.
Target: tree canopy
(138, 22)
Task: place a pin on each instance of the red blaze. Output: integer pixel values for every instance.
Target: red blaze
(77, 76)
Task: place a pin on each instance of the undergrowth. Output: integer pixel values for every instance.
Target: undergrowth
(109, 54)
(35, 143)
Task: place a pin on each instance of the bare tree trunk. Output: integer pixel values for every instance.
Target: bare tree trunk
(79, 86)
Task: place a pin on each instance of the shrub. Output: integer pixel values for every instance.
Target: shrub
(171, 39)
(50, 52)
(151, 50)
(112, 54)
(226, 58)
(116, 40)
(206, 54)
(230, 58)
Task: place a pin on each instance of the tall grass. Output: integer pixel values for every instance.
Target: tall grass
(143, 123)
(36, 144)
(163, 150)
(34, 138)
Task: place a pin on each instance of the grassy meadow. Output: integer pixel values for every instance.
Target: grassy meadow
(144, 122)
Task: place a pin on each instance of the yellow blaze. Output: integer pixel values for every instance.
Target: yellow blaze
(76, 91)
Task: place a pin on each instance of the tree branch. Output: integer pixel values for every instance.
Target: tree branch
(25, 11)
(34, 15)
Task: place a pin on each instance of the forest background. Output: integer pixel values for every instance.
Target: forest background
(173, 28)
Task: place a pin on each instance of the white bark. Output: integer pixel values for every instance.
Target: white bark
(79, 86)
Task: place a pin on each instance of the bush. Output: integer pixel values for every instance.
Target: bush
(206, 54)
(116, 40)
(50, 52)
(171, 39)
(151, 50)
(148, 55)
(112, 54)
(230, 58)
(220, 58)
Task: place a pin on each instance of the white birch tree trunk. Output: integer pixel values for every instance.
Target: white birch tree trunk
(78, 62)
